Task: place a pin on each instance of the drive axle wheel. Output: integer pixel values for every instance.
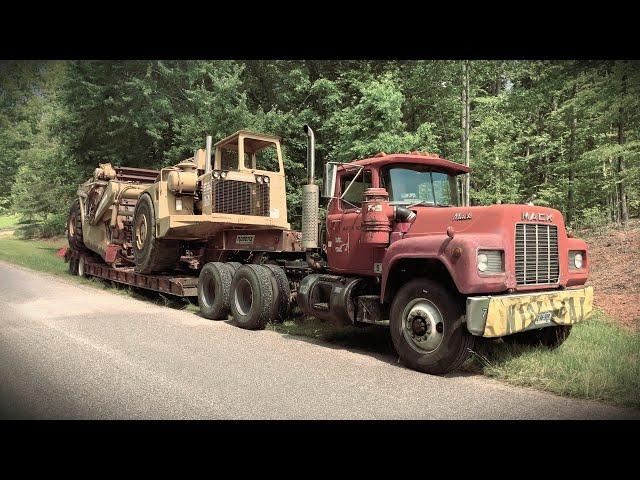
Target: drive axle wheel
(550, 337)
(427, 328)
(151, 255)
(252, 296)
(214, 288)
(282, 293)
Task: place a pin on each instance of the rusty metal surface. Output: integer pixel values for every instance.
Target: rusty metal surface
(181, 286)
(141, 175)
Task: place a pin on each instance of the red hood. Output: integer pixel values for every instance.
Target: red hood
(486, 219)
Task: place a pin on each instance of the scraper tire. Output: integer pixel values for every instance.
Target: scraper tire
(151, 255)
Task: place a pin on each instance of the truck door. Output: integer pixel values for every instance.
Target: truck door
(344, 251)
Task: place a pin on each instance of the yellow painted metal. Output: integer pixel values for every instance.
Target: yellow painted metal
(514, 313)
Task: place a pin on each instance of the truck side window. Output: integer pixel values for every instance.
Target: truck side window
(355, 195)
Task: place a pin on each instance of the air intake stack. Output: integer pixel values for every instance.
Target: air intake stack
(310, 196)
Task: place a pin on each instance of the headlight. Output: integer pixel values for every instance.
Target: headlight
(259, 179)
(482, 262)
(223, 174)
(576, 259)
(266, 179)
(490, 261)
(216, 174)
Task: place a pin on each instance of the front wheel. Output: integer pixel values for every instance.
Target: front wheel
(427, 328)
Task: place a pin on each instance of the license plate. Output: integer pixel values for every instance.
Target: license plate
(544, 318)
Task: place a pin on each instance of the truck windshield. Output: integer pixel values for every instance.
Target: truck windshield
(415, 185)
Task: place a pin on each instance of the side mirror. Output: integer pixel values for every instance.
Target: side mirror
(329, 185)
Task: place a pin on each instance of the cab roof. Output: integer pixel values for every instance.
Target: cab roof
(255, 141)
(427, 159)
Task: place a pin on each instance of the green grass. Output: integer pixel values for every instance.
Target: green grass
(600, 360)
(34, 254)
(9, 221)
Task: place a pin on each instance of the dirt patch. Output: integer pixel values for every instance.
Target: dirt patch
(614, 272)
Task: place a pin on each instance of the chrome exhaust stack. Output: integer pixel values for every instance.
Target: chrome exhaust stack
(207, 160)
(310, 196)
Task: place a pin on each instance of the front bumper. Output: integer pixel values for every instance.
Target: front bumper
(500, 315)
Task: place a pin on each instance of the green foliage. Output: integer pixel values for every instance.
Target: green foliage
(553, 129)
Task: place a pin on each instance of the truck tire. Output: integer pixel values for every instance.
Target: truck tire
(234, 266)
(427, 328)
(214, 290)
(151, 255)
(550, 337)
(74, 227)
(280, 285)
(252, 296)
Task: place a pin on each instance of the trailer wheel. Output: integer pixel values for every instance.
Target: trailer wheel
(252, 296)
(74, 227)
(73, 266)
(550, 337)
(427, 328)
(151, 255)
(214, 288)
(280, 285)
(81, 266)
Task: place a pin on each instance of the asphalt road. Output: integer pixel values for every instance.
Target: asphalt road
(73, 351)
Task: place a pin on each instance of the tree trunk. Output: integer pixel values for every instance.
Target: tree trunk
(465, 127)
(621, 193)
(572, 160)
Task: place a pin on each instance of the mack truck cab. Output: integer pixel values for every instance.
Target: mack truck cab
(399, 248)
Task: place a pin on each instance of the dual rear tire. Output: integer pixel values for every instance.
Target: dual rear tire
(253, 294)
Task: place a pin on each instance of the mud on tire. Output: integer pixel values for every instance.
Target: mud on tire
(423, 309)
(214, 290)
(252, 296)
(151, 255)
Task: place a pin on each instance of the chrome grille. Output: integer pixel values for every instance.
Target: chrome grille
(537, 254)
(240, 198)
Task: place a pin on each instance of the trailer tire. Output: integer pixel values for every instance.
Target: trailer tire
(252, 296)
(280, 285)
(427, 328)
(151, 255)
(214, 289)
(74, 227)
(73, 266)
(550, 337)
(82, 266)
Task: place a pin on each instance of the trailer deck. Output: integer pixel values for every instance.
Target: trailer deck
(180, 285)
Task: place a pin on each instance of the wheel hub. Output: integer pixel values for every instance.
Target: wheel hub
(423, 325)
(141, 232)
(420, 326)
